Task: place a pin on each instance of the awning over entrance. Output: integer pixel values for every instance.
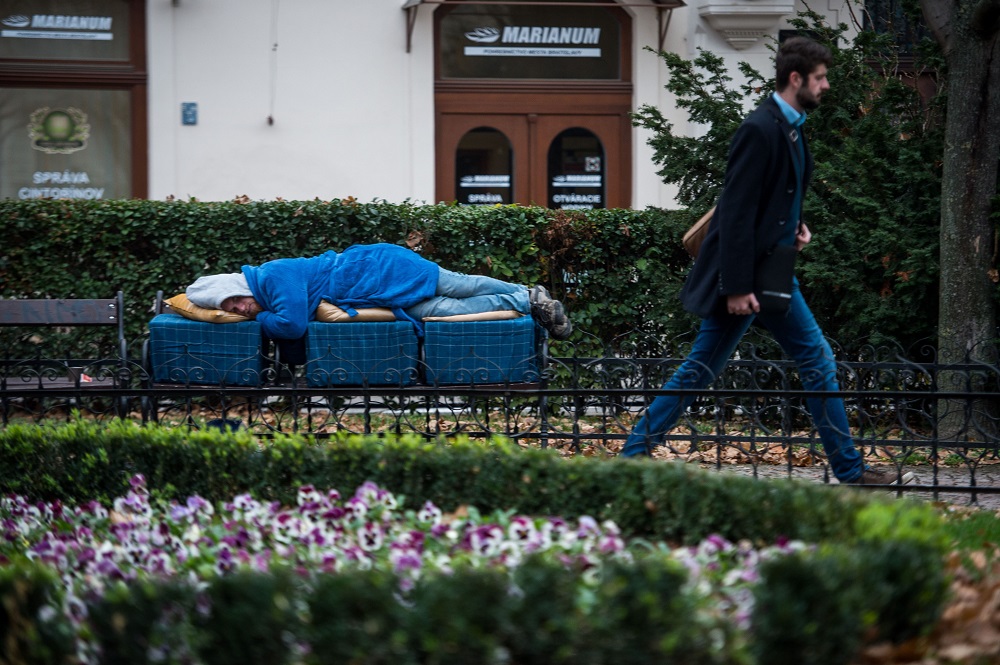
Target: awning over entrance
(664, 10)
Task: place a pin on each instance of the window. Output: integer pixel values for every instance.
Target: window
(887, 16)
(65, 143)
(73, 99)
(483, 168)
(576, 171)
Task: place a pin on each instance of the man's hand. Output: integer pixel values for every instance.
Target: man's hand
(803, 236)
(742, 304)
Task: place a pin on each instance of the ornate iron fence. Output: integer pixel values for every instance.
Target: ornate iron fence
(941, 421)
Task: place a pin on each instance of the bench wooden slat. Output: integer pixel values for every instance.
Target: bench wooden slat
(54, 312)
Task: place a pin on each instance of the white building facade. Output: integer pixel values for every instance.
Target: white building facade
(420, 100)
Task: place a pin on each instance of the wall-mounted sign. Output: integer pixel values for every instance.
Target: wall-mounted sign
(529, 42)
(189, 113)
(64, 30)
(52, 26)
(65, 144)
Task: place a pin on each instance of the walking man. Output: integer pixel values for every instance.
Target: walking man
(768, 171)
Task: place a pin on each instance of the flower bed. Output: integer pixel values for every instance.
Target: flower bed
(94, 548)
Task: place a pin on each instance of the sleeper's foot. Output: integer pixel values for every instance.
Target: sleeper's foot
(549, 313)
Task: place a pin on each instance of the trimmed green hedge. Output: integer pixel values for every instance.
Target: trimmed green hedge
(640, 615)
(86, 461)
(818, 608)
(877, 573)
(91, 249)
(619, 271)
(29, 633)
(821, 608)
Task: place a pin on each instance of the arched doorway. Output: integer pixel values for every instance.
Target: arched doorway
(539, 75)
(576, 177)
(483, 166)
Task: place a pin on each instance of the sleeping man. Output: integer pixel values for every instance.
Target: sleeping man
(282, 295)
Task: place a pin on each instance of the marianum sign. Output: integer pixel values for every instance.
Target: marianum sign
(50, 26)
(536, 42)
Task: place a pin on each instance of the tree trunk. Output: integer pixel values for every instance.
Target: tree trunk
(969, 31)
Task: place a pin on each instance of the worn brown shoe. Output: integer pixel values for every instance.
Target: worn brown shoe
(549, 313)
(873, 476)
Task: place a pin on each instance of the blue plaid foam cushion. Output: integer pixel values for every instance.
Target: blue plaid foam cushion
(358, 354)
(185, 351)
(469, 352)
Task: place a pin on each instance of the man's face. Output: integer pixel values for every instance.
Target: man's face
(242, 305)
(809, 93)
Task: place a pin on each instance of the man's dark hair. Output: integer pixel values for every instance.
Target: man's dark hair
(802, 55)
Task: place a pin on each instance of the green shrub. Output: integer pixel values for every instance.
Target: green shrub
(910, 521)
(641, 615)
(144, 621)
(819, 608)
(33, 631)
(905, 579)
(881, 578)
(91, 249)
(619, 271)
(357, 618)
(545, 615)
(459, 618)
(906, 587)
(83, 460)
(86, 461)
(250, 620)
(809, 609)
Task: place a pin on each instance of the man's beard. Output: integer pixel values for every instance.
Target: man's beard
(807, 100)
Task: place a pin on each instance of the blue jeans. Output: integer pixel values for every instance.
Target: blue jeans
(801, 338)
(458, 293)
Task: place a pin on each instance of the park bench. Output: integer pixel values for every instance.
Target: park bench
(42, 371)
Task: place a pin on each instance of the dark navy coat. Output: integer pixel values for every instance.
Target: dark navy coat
(752, 213)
